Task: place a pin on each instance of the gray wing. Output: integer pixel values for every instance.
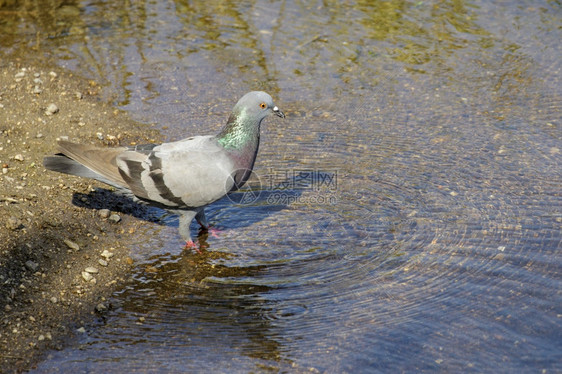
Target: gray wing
(189, 173)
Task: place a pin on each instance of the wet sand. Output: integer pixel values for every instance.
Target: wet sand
(61, 255)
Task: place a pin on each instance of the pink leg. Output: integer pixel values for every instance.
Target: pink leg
(190, 245)
(214, 231)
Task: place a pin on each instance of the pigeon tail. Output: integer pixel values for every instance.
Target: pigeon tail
(66, 165)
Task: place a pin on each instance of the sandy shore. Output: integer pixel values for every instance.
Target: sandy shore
(61, 254)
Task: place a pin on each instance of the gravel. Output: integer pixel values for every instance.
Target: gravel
(115, 218)
(91, 270)
(31, 265)
(47, 240)
(51, 109)
(70, 244)
(104, 213)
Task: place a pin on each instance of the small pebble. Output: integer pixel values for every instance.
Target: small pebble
(101, 308)
(106, 254)
(99, 135)
(41, 337)
(115, 218)
(91, 270)
(37, 90)
(30, 265)
(87, 276)
(13, 223)
(79, 95)
(51, 109)
(70, 244)
(102, 262)
(8, 308)
(81, 330)
(54, 300)
(19, 157)
(104, 213)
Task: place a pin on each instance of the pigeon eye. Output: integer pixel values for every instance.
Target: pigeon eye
(263, 105)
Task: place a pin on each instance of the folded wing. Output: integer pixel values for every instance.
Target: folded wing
(186, 174)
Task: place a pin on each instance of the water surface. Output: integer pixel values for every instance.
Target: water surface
(409, 215)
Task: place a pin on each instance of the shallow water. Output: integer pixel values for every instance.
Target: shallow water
(409, 214)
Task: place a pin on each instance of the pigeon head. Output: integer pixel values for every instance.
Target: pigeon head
(255, 106)
(243, 126)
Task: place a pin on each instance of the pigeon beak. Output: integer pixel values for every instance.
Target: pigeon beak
(278, 112)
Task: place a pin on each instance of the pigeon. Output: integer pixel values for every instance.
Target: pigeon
(182, 176)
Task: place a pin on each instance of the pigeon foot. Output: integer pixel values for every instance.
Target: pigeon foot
(190, 245)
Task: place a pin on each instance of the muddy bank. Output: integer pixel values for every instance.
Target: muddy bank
(61, 254)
